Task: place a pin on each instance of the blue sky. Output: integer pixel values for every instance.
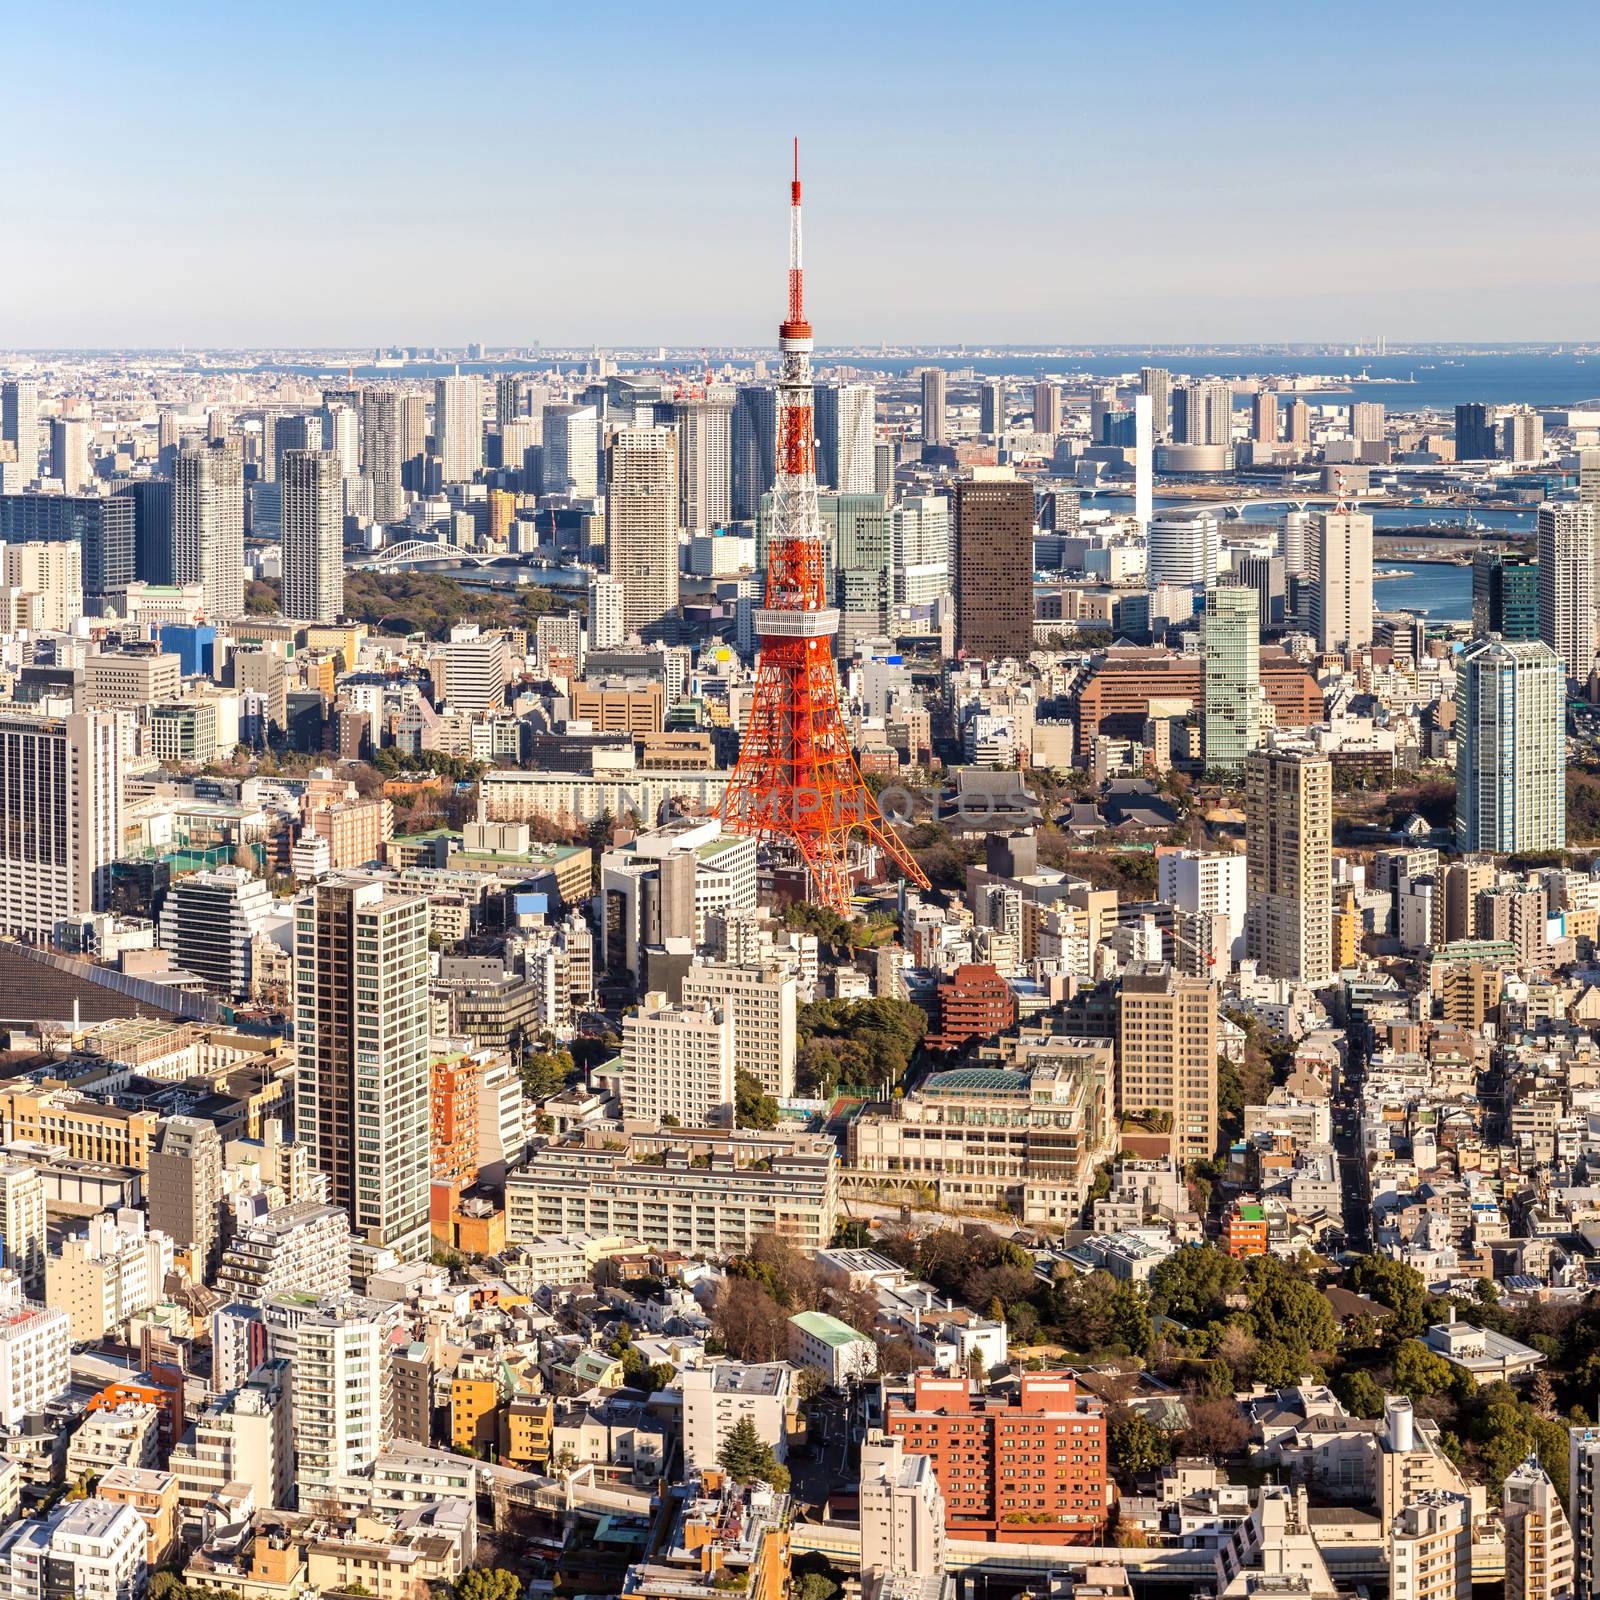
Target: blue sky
(366, 173)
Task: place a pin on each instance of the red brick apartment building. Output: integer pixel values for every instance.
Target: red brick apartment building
(1015, 1467)
(975, 1002)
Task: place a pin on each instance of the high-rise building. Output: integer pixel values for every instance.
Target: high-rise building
(1475, 430)
(63, 777)
(1264, 416)
(153, 556)
(1539, 1543)
(1511, 757)
(510, 390)
(1294, 541)
(992, 407)
(994, 565)
(341, 433)
(313, 536)
(208, 528)
(1157, 383)
(993, 1455)
(361, 1031)
(677, 1061)
(934, 380)
(1505, 595)
(19, 422)
(1047, 407)
(69, 453)
(1202, 413)
(382, 453)
(298, 430)
(1341, 571)
(414, 442)
(209, 921)
(705, 463)
(571, 451)
(1289, 851)
(475, 669)
(1299, 423)
(846, 418)
(340, 1400)
(755, 446)
(1366, 420)
(1231, 644)
(1267, 577)
(1167, 1053)
(458, 427)
(1567, 546)
(24, 1241)
(642, 525)
(1430, 1548)
(919, 532)
(902, 1511)
(1522, 436)
(102, 526)
(607, 628)
(1583, 1503)
(1184, 550)
(185, 1190)
(1102, 402)
(759, 1002)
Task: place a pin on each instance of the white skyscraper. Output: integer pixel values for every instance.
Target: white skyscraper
(340, 1402)
(1567, 583)
(705, 462)
(361, 1032)
(208, 528)
(1341, 572)
(64, 779)
(458, 427)
(313, 535)
(1511, 748)
(642, 548)
(606, 628)
(1144, 461)
(23, 1239)
(902, 1512)
(919, 532)
(846, 416)
(572, 451)
(341, 434)
(1294, 541)
(1185, 550)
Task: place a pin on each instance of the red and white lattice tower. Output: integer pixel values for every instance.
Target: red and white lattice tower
(797, 786)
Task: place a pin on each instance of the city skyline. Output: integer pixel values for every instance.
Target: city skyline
(1095, 224)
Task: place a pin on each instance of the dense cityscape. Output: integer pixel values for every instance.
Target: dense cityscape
(819, 970)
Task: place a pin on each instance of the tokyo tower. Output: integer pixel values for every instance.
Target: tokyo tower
(797, 786)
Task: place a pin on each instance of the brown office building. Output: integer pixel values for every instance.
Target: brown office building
(1116, 699)
(994, 566)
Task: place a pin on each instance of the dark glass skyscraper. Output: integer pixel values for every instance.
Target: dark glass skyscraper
(1475, 439)
(152, 529)
(101, 525)
(1505, 595)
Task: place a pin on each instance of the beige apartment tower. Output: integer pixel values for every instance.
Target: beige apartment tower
(1430, 1549)
(1341, 572)
(313, 535)
(1539, 1547)
(1167, 1054)
(642, 525)
(208, 528)
(1289, 863)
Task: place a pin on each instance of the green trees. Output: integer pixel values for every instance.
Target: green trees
(545, 1073)
(1361, 1394)
(856, 1044)
(1393, 1284)
(1137, 1445)
(488, 1583)
(746, 1456)
(1191, 1284)
(1418, 1372)
(753, 1106)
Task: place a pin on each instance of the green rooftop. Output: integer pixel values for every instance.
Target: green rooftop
(1251, 1211)
(978, 1080)
(830, 1330)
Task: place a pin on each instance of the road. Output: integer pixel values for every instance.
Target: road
(1355, 1194)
